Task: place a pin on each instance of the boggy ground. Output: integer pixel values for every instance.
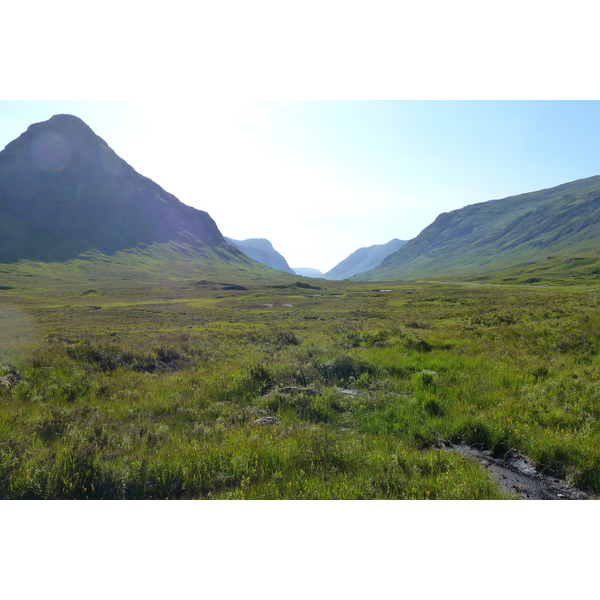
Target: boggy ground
(514, 474)
(205, 387)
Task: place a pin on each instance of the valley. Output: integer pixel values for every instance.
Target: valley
(143, 355)
(192, 383)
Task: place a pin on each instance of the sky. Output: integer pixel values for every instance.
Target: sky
(323, 178)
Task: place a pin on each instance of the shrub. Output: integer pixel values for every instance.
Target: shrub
(306, 403)
(286, 338)
(540, 373)
(427, 377)
(111, 357)
(368, 339)
(344, 369)
(418, 344)
(104, 357)
(258, 381)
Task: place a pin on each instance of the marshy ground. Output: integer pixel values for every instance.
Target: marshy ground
(215, 388)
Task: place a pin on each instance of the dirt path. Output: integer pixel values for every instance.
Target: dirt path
(518, 476)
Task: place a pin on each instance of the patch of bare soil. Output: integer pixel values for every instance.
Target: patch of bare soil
(517, 475)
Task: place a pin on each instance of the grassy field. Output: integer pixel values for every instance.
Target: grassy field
(154, 384)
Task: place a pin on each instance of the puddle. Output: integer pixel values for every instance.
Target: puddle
(286, 305)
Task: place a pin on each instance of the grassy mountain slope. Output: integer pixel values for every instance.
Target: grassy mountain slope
(65, 193)
(363, 259)
(262, 250)
(488, 236)
(156, 266)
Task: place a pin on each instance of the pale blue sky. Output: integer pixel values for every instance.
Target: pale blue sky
(323, 178)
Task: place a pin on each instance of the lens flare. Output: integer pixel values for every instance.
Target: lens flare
(50, 151)
(112, 164)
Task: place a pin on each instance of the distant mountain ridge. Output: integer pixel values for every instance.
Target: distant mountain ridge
(262, 251)
(308, 272)
(363, 259)
(501, 233)
(65, 192)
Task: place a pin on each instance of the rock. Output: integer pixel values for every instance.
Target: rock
(267, 421)
(295, 391)
(347, 391)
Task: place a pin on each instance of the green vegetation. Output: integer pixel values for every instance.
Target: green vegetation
(122, 379)
(501, 234)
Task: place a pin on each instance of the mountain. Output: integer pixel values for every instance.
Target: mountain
(494, 235)
(307, 272)
(262, 251)
(363, 259)
(64, 192)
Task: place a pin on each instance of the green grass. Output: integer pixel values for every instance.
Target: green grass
(156, 386)
(476, 241)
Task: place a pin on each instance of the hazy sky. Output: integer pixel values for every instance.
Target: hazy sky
(320, 179)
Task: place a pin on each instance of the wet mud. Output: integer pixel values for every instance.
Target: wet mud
(516, 475)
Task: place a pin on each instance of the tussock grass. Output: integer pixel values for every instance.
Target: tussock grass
(177, 388)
